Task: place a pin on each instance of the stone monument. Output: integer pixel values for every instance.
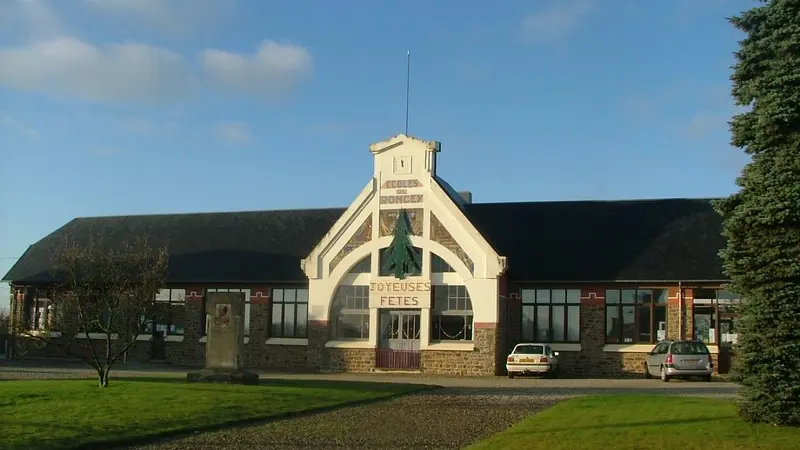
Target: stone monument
(224, 341)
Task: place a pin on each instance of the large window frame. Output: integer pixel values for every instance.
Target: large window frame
(550, 315)
(452, 318)
(163, 316)
(350, 317)
(289, 313)
(718, 309)
(623, 303)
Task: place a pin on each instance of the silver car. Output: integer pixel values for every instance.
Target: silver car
(679, 359)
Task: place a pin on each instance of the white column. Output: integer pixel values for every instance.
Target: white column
(425, 328)
(373, 327)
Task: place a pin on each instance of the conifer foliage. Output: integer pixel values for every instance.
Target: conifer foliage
(401, 257)
(762, 220)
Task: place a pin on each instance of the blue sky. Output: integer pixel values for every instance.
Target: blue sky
(112, 107)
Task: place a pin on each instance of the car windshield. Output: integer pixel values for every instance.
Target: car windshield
(689, 348)
(529, 350)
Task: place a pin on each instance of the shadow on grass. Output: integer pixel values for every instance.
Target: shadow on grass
(154, 438)
(376, 385)
(654, 423)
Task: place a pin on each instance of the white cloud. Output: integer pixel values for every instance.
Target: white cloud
(271, 72)
(69, 67)
(237, 133)
(7, 120)
(35, 19)
(173, 16)
(555, 21)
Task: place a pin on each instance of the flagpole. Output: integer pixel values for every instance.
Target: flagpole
(408, 85)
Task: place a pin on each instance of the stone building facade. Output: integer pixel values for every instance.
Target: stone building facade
(413, 276)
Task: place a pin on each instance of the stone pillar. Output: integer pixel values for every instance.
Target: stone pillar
(317, 337)
(592, 360)
(485, 337)
(225, 315)
(673, 313)
(688, 316)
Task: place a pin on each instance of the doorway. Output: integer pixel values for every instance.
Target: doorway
(398, 346)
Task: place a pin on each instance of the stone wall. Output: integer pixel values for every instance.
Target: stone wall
(350, 360)
(478, 362)
(492, 342)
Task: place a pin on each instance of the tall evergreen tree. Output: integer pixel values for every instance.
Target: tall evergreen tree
(762, 220)
(401, 257)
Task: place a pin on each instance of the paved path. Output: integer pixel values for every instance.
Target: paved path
(10, 370)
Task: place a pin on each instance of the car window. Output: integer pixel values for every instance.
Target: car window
(529, 350)
(663, 348)
(689, 348)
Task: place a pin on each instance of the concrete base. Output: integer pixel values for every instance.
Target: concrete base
(222, 376)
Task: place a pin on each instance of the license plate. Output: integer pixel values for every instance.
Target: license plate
(692, 361)
(527, 360)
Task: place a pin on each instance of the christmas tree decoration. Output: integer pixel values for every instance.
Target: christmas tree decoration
(401, 257)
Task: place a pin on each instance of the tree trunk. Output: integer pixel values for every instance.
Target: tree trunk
(102, 376)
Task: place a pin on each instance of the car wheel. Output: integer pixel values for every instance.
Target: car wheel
(707, 378)
(647, 375)
(664, 376)
(510, 374)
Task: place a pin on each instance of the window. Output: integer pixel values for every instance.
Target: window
(37, 309)
(551, 315)
(246, 308)
(529, 350)
(289, 313)
(451, 314)
(438, 265)
(714, 315)
(385, 271)
(350, 313)
(636, 316)
(363, 266)
(168, 313)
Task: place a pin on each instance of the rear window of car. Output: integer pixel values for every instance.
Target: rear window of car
(529, 350)
(689, 348)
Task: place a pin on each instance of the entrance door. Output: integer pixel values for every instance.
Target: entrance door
(399, 340)
(158, 347)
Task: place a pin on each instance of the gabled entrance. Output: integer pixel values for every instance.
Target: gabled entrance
(399, 341)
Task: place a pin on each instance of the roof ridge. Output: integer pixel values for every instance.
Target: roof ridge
(202, 213)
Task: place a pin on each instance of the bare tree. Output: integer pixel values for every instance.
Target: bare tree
(101, 290)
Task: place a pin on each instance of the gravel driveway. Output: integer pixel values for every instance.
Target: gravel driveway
(447, 418)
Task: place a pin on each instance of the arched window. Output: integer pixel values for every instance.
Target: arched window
(350, 313)
(363, 266)
(451, 314)
(439, 265)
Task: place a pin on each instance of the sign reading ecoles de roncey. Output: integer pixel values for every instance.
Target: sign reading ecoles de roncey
(412, 292)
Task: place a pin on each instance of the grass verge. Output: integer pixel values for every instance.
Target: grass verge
(641, 422)
(68, 414)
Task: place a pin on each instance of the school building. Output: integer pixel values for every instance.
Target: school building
(414, 276)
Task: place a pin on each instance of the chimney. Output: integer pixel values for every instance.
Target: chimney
(466, 196)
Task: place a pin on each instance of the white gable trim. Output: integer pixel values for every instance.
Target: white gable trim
(312, 264)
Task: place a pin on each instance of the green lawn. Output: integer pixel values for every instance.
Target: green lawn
(641, 422)
(69, 413)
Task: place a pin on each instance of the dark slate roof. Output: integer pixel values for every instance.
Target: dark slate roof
(670, 240)
(664, 240)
